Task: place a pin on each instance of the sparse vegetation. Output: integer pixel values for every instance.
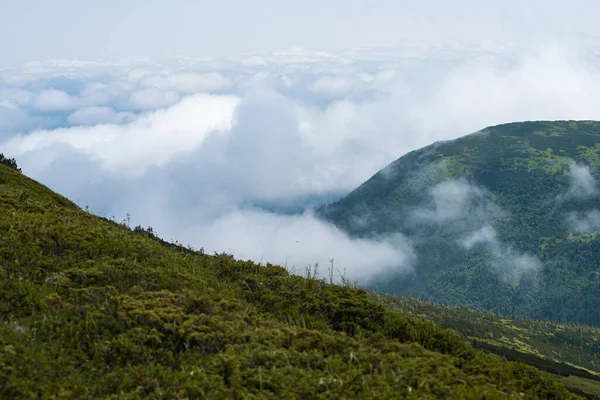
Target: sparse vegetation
(9, 162)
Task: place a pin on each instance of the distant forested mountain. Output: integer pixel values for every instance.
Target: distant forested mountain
(505, 219)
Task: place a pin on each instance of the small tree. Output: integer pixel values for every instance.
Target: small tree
(9, 162)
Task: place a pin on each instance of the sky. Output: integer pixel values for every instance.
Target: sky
(156, 28)
(222, 124)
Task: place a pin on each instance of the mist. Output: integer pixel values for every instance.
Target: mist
(467, 211)
(214, 152)
(582, 188)
(582, 184)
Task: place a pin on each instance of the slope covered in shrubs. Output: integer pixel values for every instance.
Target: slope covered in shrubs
(91, 309)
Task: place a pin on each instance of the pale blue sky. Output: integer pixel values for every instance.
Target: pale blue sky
(41, 29)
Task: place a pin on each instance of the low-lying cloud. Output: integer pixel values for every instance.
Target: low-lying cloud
(54, 100)
(465, 210)
(509, 263)
(97, 115)
(582, 184)
(192, 146)
(584, 222)
(298, 241)
(457, 201)
(582, 187)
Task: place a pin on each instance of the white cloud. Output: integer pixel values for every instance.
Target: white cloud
(19, 96)
(297, 241)
(486, 234)
(584, 222)
(98, 115)
(508, 262)
(153, 98)
(189, 82)
(548, 84)
(277, 139)
(582, 185)
(254, 60)
(335, 86)
(54, 100)
(455, 200)
(12, 117)
(466, 211)
(149, 140)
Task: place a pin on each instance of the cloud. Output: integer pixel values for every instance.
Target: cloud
(215, 217)
(486, 234)
(54, 100)
(297, 241)
(98, 115)
(149, 140)
(509, 263)
(254, 61)
(551, 82)
(18, 96)
(467, 212)
(333, 86)
(582, 186)
(188, 83)
(584, 222)
(297, 125)
(12, 117)
(453, 200)
(152, 98)
(455, 204)
(582, 183)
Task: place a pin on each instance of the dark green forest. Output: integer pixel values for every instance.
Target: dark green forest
(522, 184)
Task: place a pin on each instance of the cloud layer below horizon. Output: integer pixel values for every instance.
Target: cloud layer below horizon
(208, 151)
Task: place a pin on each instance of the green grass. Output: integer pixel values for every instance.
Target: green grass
(91, 309)
(562, 349)
(584, 387)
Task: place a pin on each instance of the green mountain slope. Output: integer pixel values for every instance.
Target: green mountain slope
(570, 351)
(90, 309)
(505, 220)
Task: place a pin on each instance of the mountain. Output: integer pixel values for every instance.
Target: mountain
(90, 308)
(505, 219)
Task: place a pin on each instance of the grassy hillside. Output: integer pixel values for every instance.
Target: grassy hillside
(91, 309)
(505, 219)
(566, 350)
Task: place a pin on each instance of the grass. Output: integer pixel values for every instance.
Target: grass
(584, 387)
(91, 309)
(565, 350)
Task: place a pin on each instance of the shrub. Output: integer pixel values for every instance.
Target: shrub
(9, 162)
